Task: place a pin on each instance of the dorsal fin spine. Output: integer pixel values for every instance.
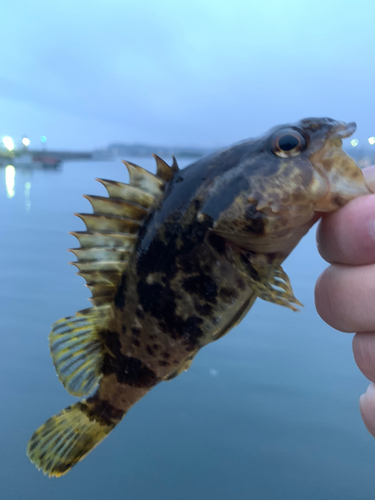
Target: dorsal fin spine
(145, 180)
(127, 192)
(103, 277)
(99, 266)
(105, 239)
(113, 206)
(163, 170)
(112, 223)
(175, 166)
(97, 254)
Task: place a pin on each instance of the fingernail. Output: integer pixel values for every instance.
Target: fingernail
(371, 229)
(367, 406)
(367, 398)
(370, 391)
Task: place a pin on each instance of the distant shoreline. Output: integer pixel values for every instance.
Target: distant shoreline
(362, 156)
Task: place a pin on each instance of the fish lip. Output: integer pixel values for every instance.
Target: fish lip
(343, 130)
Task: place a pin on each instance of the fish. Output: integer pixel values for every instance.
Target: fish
(175, 260)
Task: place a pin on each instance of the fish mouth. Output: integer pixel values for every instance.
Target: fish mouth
(343, 130)
(339, 178)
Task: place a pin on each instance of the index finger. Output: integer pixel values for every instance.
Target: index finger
(348, 235)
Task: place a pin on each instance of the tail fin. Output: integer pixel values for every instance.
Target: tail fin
(67, 437)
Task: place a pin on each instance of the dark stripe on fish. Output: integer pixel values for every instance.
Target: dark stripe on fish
(130, 371)
(160, 302)
(88, 407)
(104, 409)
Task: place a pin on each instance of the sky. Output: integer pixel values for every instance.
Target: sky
(173, 72)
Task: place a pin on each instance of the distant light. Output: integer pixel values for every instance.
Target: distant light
(26, 141)
(371, 140)
(8, 143)
(43, 138)
(354, 142)
(10, 173)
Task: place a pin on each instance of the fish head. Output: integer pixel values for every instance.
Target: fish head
(285, 180)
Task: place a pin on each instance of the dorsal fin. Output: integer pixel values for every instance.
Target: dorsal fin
(112, 228)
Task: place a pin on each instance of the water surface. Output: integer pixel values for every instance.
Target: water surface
(268, 412)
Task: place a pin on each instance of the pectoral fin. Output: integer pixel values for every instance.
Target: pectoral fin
(277, 289)
(267, 279)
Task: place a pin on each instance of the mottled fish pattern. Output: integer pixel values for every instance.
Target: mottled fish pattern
(175, 260)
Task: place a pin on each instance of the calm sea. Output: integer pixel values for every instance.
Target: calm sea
(268, 412)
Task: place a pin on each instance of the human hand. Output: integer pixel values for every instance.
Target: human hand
(345, 292)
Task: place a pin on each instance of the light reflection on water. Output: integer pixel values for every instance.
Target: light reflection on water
(10, 182)
(10, 173)
(27, 196)
(268, 412)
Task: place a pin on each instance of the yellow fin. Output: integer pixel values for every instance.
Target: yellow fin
(277, 289)
(268, 280)
(76, 350)
(66, 438)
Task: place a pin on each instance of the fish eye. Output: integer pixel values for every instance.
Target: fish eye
(288, 142)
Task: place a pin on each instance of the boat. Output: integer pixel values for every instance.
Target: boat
(28, 160)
